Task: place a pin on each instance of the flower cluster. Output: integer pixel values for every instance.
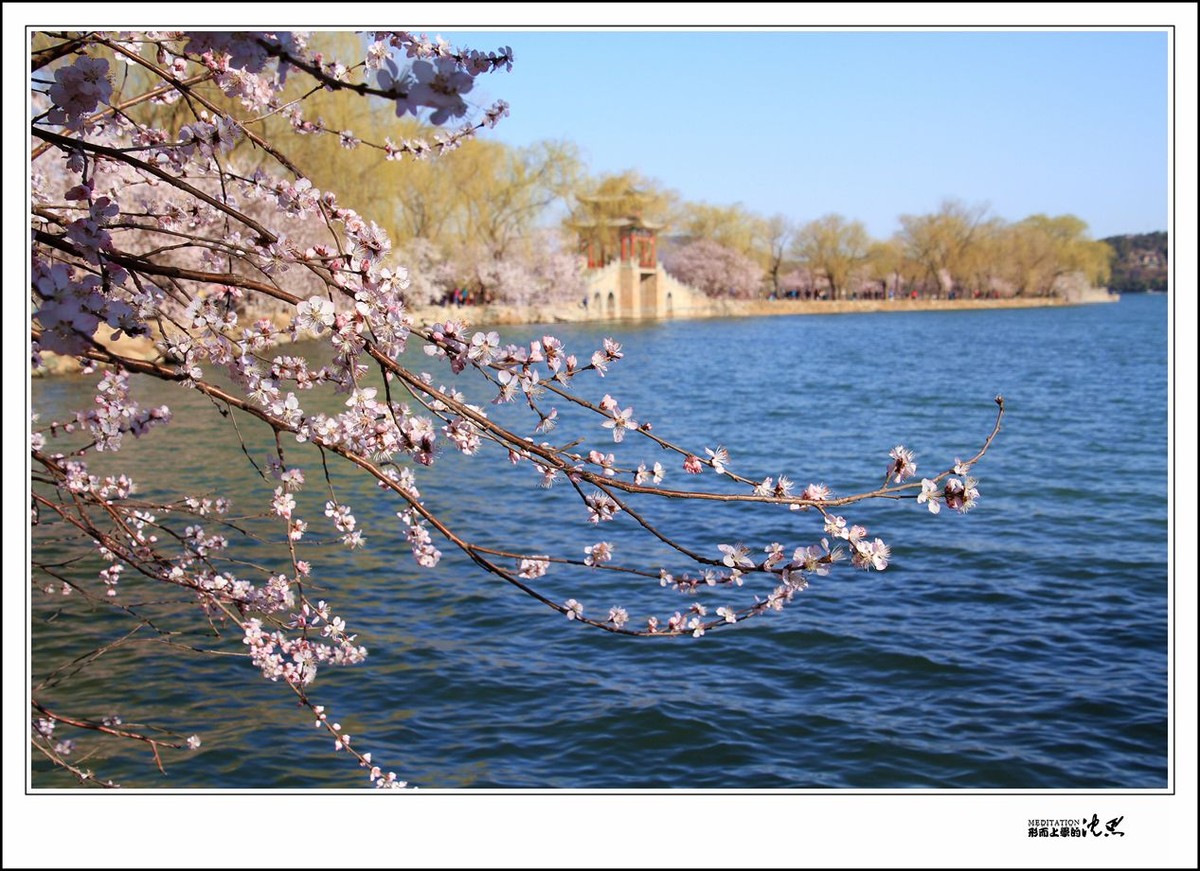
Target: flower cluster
(296, 659)
(116, 413)
(78, 89)
(72, 307)
(959, 495)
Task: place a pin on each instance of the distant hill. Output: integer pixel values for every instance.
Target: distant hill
(1140, 263)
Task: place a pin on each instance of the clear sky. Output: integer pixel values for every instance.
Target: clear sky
(868, 124)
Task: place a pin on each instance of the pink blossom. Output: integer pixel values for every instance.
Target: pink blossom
(601, 507)
(736, 556)
(498, 110)
(238, 50)
(533, 567)
(621, 421)
(719, 459)
(774, 552)
(377, 53)
(815, 493)
(370, 244)
(552, 349)
(903, 464)
(929, 495)
(284, 503)
(835, 525)
(871, 554)
(608, 354)
(961, 495)
(812, 558)
(315, 315)
(597, 554)
(440, 86)
(604, 461)
(78, 89)
(484, 347)
(293, 479)
(654, 474)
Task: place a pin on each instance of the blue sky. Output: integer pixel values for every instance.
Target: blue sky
(868, 124)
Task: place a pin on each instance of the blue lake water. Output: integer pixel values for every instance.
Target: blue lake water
(1021, 646)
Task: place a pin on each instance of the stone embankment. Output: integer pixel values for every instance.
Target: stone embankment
(727, 308)
(498, 315)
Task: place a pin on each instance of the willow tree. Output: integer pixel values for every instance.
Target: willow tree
(774, 240)
(941, 242)
(732, 227)
(834, 247)
(982, 264)
(887, 264)
(1041, 250)
(505, 191)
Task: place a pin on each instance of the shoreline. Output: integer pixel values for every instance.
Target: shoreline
(567, 313)
(507, 315)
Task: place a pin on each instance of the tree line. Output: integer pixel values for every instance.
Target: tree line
(490, 222)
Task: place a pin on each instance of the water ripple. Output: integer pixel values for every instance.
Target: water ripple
(1023, 646)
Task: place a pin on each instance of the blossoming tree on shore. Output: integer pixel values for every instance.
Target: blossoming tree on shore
(182, 228)
(715, 269)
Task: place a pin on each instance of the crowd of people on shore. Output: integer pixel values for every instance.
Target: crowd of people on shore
(462, 296)
(810, 294)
